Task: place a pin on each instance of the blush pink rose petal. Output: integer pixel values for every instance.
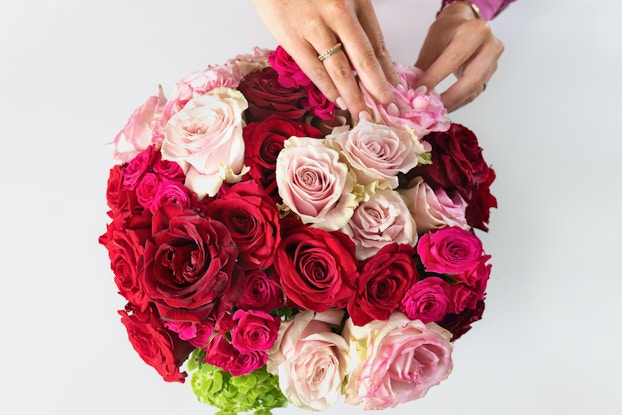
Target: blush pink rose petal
(397, 360)
(205, 138)
(137, 134)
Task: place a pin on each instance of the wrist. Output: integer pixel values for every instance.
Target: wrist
(466, 7)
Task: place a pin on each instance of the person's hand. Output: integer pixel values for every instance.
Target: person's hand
(306, 29)
(459, 43)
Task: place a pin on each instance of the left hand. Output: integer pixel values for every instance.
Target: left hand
(459, 43)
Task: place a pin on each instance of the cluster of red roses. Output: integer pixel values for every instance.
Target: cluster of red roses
(211, 273)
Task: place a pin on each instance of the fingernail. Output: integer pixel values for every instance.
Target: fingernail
(341, 103)
(364, 115)
(422, 89)
(393, 110)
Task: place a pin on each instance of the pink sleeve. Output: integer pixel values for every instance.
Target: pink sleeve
(488, 8)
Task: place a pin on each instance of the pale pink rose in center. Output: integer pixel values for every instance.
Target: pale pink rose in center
(205, 138)
(397, 360)
(314, 183)
(382, 220)
(376, 152)
(310, 360)
(432, 209)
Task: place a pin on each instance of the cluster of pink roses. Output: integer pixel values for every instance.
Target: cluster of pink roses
(248, 193)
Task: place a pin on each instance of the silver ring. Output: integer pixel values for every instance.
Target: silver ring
(327, 54)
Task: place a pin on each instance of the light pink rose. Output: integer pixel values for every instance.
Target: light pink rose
(310, 360)
(434, 209)
(382, 220)
(376, 152)
(315, 184)
(193, 85)
(397, 360)
(137, 133)
(421, 110)
(205, 138)
(250, 62)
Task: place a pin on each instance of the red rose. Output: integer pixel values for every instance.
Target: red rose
(120, 201)
(266, 96)
(263, 291)
(188, 264)
(458, 165)
(158, 347)
(264, 140)
(317, 267)
(125, 239)
(459, 324)
(253, 221)
(383, 281)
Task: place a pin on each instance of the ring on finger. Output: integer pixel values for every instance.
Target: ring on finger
(330, 52)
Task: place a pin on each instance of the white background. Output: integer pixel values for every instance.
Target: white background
(71, 72)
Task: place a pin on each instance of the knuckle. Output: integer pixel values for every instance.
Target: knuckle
(341, 73)
(369, 61)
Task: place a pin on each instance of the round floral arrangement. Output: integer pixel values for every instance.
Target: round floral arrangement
(280, 252)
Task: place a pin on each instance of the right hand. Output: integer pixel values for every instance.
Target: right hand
(306, 28)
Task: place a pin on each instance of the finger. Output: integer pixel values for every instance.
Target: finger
(371, 26)
(457, 52)
(474, 76)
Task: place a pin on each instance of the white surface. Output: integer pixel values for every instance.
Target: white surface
(72, 71)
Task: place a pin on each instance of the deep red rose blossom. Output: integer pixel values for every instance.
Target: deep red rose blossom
(317, 267)
(266, 96)
(383, 281)
(188, 264)
(158, 347)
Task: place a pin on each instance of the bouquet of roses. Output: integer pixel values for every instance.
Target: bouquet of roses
(284, 253)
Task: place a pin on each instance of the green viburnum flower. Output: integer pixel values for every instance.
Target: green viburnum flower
(257, 392)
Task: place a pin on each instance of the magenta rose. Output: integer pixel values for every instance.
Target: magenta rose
(125, 239)
(290, 74)
(263, 291)
(321, 106)
(429, 300)
(266, 96)
(253, 221)
(255, 330)
(383, 281)
(188, 264)
(197, 334)
(450, 250)
(158, 347)
(264, 140)
(171, 191)
(317, 267)
(137, 168)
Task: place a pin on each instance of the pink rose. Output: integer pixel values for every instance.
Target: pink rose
(450, 251)
(193, 85)
(429, 300)
(376, 152)
(382, 220)
(137, 133)
(220, 352)
(310, 359)
(255, 330)
(246, 63)
(398, 360)
(434, 209)
(315, 184)
(416, 109)
(205, 138)
(197, 334)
